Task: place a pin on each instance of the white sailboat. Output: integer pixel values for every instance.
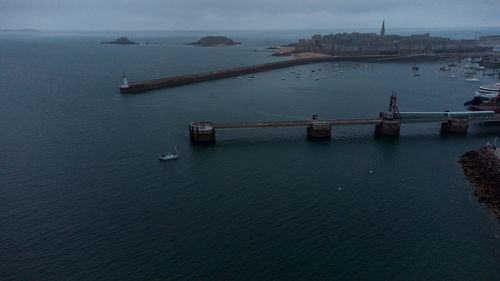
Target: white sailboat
(170, 155)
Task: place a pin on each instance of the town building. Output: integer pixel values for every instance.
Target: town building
(343, 44)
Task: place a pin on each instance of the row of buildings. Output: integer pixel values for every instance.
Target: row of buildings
(373, 44)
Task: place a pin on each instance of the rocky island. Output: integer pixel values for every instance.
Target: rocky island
(482, 167)
(214, 41)
(121, 41)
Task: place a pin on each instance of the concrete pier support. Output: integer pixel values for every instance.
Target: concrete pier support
(319, 130)
(388, 128)
(201, 131)
(455, 126)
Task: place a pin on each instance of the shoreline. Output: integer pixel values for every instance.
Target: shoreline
(290, 52)
(482, 167)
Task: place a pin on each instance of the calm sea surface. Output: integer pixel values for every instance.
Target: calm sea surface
(84, 197)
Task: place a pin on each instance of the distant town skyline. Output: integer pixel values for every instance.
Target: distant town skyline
(247, 15)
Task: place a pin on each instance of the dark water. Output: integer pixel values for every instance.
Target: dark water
(83, 196)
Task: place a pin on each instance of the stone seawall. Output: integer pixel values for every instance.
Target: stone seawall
(142, 86)
(482, 167)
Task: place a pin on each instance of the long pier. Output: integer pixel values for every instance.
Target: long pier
(387, 124)
(142, 86)
(276, 124)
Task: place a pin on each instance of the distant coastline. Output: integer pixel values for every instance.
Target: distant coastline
(26, 30)
(355, 44)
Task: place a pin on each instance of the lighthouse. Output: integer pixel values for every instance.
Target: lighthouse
(125, 82)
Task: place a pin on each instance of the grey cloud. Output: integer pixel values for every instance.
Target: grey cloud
(232, 14)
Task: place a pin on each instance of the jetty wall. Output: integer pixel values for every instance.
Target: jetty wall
(142, 86)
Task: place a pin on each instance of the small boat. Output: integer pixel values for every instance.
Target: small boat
(415, 67)
(477, 60)
(443, 68)
(472, 79)
(250, 77)
(170, 155)
(492, 105)
(240, 77)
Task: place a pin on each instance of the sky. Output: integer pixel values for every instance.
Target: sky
(245, 15)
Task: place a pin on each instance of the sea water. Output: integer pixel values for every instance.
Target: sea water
(84, 196)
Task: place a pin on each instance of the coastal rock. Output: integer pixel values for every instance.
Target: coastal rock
(214, 41)
(121, 41)
(482, 167)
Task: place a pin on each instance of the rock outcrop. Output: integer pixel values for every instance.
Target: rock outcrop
(121, 41)
(482, 167)
(214, 41)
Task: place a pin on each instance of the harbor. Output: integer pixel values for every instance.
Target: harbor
(143, 86)
(354, 47)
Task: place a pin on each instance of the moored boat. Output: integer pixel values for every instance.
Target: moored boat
(488, 91)
(485, 107)
(493, 104)
(472, 79)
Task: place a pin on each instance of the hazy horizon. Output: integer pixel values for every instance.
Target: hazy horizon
(256, 29)
(189, 15)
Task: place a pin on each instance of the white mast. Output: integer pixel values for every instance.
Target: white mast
(172, 143)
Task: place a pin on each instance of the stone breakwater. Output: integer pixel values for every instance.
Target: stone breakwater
(142, 86)
(482, 167)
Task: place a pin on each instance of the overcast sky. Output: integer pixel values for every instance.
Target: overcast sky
(248, 14)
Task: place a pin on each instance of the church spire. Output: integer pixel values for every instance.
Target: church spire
(382, 31)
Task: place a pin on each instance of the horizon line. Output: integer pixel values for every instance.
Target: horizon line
(256, 29)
